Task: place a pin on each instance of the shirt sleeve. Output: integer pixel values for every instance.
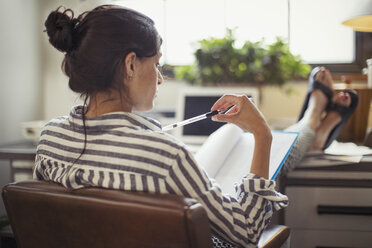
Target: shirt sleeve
(239, 220)
(38, 172)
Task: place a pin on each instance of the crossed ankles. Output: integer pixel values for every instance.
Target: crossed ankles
(326, 112)
(318, 98)
(318, 82)
(337, 116)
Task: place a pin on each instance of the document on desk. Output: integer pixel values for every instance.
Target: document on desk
(227, 154)
(313, 160)
(348, 149)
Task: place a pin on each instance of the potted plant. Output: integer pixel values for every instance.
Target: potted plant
(218, 61)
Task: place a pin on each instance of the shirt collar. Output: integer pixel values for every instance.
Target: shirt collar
(114, 120)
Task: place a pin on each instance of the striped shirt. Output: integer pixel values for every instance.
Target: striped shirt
(130, 152)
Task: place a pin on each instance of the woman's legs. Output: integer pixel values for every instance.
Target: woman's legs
(314, 128)
(308, 125)
(332, 119)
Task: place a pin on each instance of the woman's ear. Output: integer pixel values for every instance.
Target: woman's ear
(130, 67)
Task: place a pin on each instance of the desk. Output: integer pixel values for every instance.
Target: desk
(21, 156)
(330, 206)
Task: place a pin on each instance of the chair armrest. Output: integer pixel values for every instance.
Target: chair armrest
(274, 236)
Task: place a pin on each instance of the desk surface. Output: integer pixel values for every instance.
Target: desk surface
(18, 150)
(337, 174)
(332, 163)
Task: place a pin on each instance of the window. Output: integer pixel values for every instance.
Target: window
(317, 35)
(312, 27)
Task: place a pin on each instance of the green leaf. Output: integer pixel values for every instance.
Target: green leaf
(217, 60)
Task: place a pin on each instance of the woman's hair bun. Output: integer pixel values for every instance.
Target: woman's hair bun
(60, 27)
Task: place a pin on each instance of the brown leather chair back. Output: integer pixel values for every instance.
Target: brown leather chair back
(44, 214)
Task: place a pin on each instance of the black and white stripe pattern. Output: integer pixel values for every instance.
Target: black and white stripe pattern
(129, 152)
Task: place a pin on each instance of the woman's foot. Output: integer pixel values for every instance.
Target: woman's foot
(324, 76)
(318, 100)
(332, 119)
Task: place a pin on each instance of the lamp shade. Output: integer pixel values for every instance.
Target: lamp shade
(360, 23)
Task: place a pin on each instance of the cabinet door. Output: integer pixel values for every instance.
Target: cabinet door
(329, 208)
(309, 238)
(329, 216)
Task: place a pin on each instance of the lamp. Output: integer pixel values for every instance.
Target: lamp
(360, 23)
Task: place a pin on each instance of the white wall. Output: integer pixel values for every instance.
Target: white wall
(21, 90)
(20, 85)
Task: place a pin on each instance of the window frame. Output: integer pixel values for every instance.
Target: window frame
(362, 51)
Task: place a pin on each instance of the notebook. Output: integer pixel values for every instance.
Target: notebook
(227, 154)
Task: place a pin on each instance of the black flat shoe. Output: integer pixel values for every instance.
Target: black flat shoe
(345, 113)
(313, 85)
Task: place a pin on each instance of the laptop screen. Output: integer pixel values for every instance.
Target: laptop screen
(197, 105)
(194, 101)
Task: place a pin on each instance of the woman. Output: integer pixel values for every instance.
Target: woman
(112, 59)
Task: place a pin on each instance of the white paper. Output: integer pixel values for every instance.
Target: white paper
(227, 154)
(237, 164)
(328, 161)
(347, 149)
(217, 147)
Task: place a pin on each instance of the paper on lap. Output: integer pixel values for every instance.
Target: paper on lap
(217, 147)
(227, 154)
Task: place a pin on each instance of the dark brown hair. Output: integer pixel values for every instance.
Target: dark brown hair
(97, 42)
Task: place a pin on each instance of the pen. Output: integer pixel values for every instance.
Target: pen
(194, 119)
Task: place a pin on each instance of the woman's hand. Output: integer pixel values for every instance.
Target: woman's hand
(246, 115)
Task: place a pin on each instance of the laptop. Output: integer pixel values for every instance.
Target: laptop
(194, 101)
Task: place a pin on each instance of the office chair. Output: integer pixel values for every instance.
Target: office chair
(45, 214)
